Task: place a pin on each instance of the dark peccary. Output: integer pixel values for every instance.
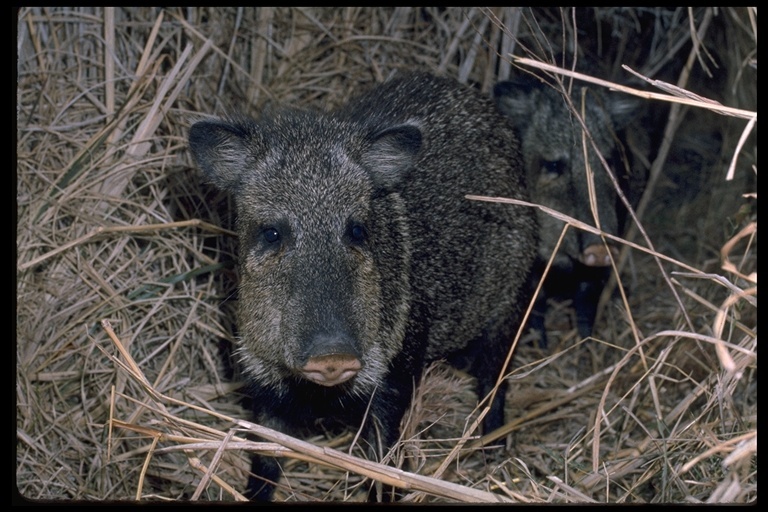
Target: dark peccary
(360, 258)
(553, 155)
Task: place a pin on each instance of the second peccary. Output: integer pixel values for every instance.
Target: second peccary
(360, 258)
(553, 152)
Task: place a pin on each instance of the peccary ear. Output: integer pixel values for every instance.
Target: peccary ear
(392, 152)
(624, 109)
(513, 98)
(221, 150)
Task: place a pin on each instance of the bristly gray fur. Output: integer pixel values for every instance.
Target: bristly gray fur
(356, 239)
(553, 149)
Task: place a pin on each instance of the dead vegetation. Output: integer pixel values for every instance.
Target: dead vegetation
(125, 277)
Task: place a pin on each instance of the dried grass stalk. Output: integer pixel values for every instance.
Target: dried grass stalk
(113, 224)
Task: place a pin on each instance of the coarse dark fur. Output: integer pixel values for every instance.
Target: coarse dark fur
(553, 151)
(360, 258)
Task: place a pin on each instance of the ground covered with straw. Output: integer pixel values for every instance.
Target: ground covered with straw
(125, 279)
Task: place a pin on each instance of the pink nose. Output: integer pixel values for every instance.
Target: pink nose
(332, 369)
(597, 255)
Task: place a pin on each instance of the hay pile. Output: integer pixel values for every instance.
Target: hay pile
(124, 384)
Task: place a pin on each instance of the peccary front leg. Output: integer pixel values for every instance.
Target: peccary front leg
(382, 432)
(536, 319)
(582, 284)
(585, 302)
(265, 471)
(389, 404)
(538, 312)
(591, 274)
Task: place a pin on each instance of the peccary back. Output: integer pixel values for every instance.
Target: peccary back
(553, 151)
(360, 258)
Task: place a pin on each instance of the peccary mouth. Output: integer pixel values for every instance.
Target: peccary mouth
(332, 369)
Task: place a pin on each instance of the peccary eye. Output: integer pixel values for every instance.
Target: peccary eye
(271, 235)
(553, 168)
(356, 233)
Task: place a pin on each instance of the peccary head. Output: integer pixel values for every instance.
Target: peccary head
(554, 154)
(317, 210)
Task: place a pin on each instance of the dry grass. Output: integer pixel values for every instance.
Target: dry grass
(124, 387)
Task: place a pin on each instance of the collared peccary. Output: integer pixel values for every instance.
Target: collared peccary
(553, 152)
(360, 258)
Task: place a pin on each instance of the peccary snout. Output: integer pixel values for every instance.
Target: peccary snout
(597, 255)
(332, 369)
(332, 361)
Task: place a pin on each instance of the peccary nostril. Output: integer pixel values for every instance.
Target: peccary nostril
(596, 255)
(332, 369)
